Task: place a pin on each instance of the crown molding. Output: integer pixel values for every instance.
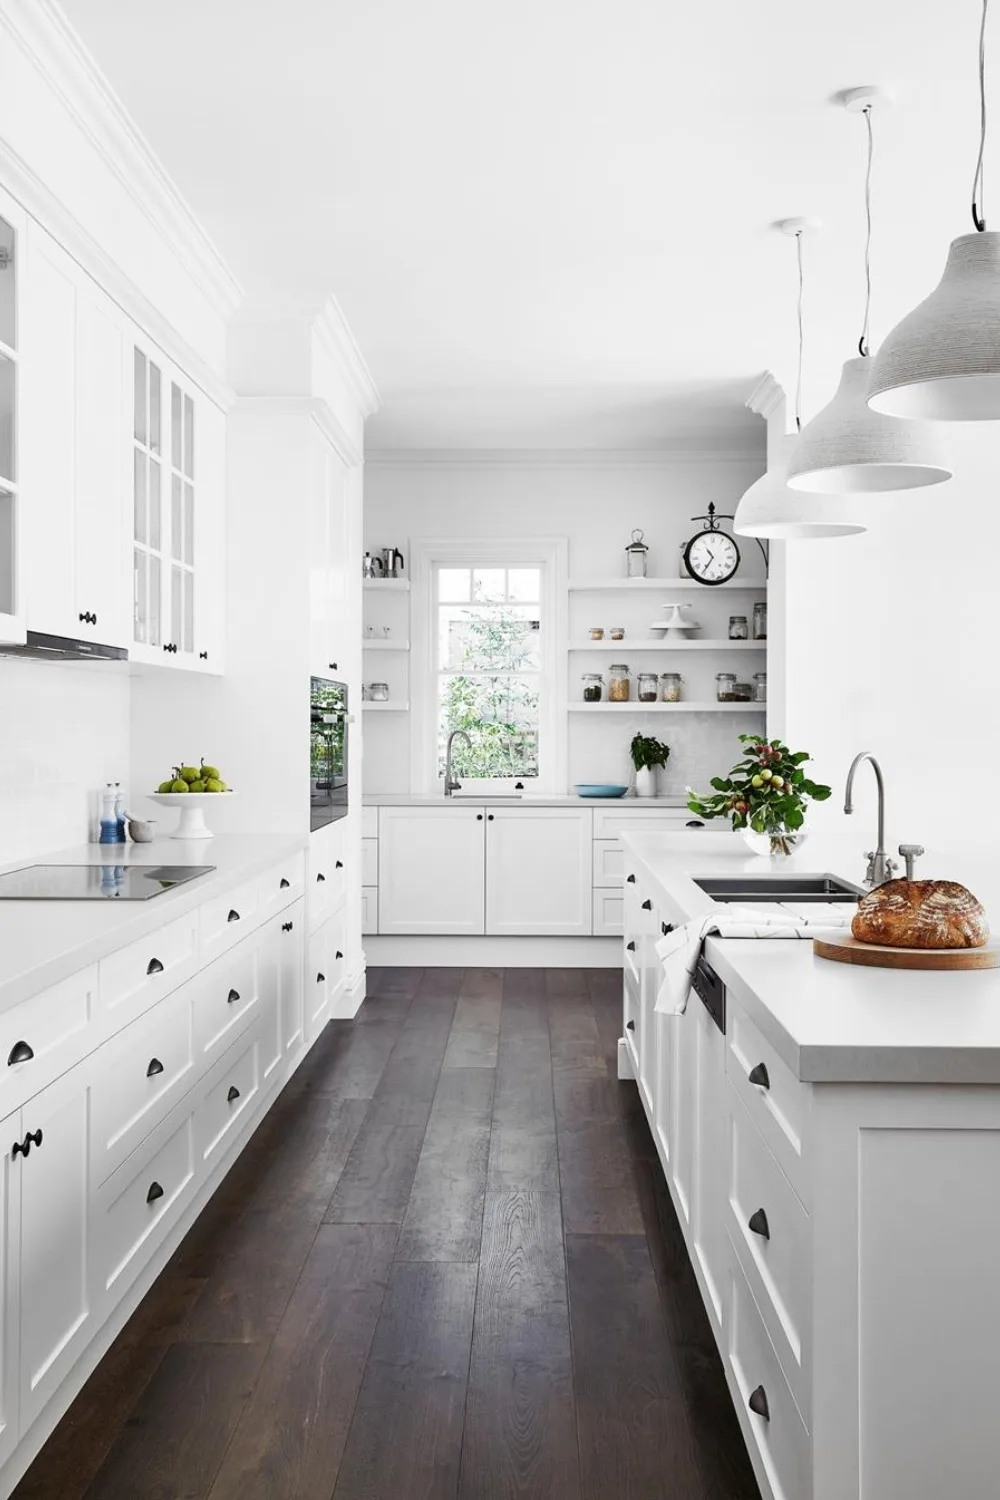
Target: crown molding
(766, 396)
(313, 409)
(332, 331)
(37, 200)
(555, 458)
(43, 31)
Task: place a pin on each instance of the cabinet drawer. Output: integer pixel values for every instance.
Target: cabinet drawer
(369, 861)
(229, 992)
(228, 919)
(771, 1233)
(226, 1101)
(609, 862)
(779, 1439)
(327, 886)
(609, 824)
(138, 1204)
(369, 822)
(280, 886)
(609, 913)
(369, 909)
(775, 1100)
(143, 1072)
(136, 977)
(48, 1033)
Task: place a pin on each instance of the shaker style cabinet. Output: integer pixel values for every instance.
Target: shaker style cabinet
(328, 554)
(538, 871)
(431, 860)
(12, 564)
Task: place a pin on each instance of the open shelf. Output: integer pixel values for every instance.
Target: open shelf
(637, 585)
(646, 643)
(667, 708)
(374, 643)
(388, 585)
(385, 708)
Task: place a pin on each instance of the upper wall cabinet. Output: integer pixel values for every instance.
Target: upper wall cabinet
(12, 226)
(177, 478)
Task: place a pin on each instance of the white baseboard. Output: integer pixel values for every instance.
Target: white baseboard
(347, 1004)
(494, 952)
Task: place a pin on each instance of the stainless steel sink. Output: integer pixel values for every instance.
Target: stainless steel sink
(778, 888)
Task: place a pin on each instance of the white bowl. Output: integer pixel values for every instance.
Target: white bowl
(191, 805)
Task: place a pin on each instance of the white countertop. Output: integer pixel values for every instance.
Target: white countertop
(830, 1022)
(529, 799)
(42, 942)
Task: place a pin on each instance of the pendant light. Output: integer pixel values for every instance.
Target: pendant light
(848, 449)
(769, 509)
(942, 362)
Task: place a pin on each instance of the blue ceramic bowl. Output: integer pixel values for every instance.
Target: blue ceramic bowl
(599, 789)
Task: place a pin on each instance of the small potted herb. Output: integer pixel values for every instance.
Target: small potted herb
(648, 755)
(765, 796)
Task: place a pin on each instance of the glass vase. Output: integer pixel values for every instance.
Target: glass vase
(777, 843)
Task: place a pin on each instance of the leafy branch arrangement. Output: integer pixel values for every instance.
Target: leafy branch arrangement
(648, 752)
(767, 791)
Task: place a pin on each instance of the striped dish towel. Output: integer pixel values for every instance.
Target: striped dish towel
(680, 950)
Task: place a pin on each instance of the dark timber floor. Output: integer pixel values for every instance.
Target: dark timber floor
(445, 1268)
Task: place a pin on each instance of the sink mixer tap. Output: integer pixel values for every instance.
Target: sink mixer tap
(451, 782)
(880, 867)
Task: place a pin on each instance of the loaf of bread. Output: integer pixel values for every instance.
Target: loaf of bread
(921, 914)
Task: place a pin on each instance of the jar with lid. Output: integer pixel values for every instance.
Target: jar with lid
(379, 692)
(760, 687)
(619, 683)
(670, 687)
(760, 621)
(593, 687)
(725, 687)
(744, 692)
(636, 554)
(738, 627)
(648, 689)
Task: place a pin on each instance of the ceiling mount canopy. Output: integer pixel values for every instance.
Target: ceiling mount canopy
(848, 449)
(942, 362)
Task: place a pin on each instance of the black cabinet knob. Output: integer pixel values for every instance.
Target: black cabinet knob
(630, 945)
(321, 979)
(666, 927)
(338, 954)
(233, 1094)
(758, 1403)
(286, 926)
(36, 1137)
(20, 1052)
(629, 1025)
(18, 1150)
(759, 1076)
(489, 817)
(519, 786)
(155, 1191)
(93, 618)
(630, 880)
(83, 618)
(232, 997)
(155, 1066)
(758, 1224)
(154, 966)
(694, 823)
(320, 878)
(647, 906)
(333, 666)
(283, 884)
(479, 817)
(203, 656)
(234, 915)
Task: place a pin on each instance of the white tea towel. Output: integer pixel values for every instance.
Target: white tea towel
(680, 950)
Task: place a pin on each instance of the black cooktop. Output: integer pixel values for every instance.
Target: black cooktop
(95, 882)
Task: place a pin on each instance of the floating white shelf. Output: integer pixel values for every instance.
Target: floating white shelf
(374, 643)
(647, 643)
(399, 585)
(667, 708)
(385, 708)
(637, 585)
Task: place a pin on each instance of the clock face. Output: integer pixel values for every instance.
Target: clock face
(712, 557)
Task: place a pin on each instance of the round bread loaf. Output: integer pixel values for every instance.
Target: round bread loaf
(921, 914)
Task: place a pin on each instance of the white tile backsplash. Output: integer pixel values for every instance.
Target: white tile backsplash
(64, 732)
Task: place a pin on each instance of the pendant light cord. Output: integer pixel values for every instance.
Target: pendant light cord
(978, 183)
(863, 348)
(798, 383)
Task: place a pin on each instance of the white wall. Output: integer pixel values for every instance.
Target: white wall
(64, 733)
(596, 505)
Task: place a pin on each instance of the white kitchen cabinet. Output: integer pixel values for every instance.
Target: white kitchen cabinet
(431, 864)
(328, 561)
(291, 975)
(320, 980)
(10, 1271)
(538, 871)
(13, 225)
(709, 1180)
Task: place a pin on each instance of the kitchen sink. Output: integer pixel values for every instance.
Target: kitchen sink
(778, 888)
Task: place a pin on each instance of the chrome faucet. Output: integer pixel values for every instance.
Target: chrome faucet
(880, 867)
(450, 782)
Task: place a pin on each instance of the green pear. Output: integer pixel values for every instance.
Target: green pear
(196, 786)
(213, 784)
(209, 773)
(180, 785)
(190, 773)
(166, 786)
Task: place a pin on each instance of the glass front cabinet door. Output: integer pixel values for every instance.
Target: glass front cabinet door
(12, 226)
(176, 510)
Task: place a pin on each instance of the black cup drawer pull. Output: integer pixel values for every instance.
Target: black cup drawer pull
(155, 1067)
(320, 878)
(694, 823)
(757, 1224)
(233, 997)
(234, 915)
(758, 1403)
(338, 954)
(20, 1052)
(647, 906)
(630, 880)
(629, 1025)
(154, 966)
(321, 979)
(233, 1094)
(759, 1076)
(155, 1191)
(630, 945)
(339, 865)
(283, 884)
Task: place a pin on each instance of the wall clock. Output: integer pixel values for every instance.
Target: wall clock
(711, 556)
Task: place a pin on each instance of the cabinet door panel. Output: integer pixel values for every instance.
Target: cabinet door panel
(711, 1155)
(432, 867)
(11, 1130)
(102, 564)
(291, 974)
(538, 871)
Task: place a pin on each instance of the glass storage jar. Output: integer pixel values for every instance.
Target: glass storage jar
(593, 687)
(379, 692)
(725, 687)
(760, 622)
(670, 687)
(636, 554)
(744, 692)
(738, 627)
(648, 689)
(619, 683)
(760, 687)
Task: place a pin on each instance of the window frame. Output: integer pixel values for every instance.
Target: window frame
(550, 555)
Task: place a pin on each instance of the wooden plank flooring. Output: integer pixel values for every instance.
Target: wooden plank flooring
(446, 1268)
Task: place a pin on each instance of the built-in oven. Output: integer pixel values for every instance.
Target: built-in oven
(329, 721)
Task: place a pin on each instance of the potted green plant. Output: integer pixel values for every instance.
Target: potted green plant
(648, 755)
(765, 796)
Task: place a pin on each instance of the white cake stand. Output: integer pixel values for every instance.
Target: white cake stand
(675, 626)
(191, 806)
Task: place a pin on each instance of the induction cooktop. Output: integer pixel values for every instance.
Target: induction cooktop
(95, 882)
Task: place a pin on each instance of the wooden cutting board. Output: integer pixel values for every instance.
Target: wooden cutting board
(845, 949)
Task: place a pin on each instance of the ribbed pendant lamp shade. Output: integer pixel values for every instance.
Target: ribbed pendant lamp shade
(942, 362)
(848, 449)
(769, 509)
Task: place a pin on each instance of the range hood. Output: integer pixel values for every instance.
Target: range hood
(63, 648)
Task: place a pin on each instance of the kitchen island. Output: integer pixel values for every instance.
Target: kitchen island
(832, 1152)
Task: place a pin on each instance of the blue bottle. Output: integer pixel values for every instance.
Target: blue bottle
(120, 837)
(109, 823)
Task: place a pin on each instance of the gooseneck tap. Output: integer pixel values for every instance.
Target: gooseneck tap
(880, 867)
(451, 784)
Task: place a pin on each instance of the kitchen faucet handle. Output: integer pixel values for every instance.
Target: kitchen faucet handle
(870, 872)
(911, 853)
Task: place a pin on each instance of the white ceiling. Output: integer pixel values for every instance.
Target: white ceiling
(547, 221)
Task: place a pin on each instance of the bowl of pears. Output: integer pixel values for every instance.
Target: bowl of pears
(189, 789)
